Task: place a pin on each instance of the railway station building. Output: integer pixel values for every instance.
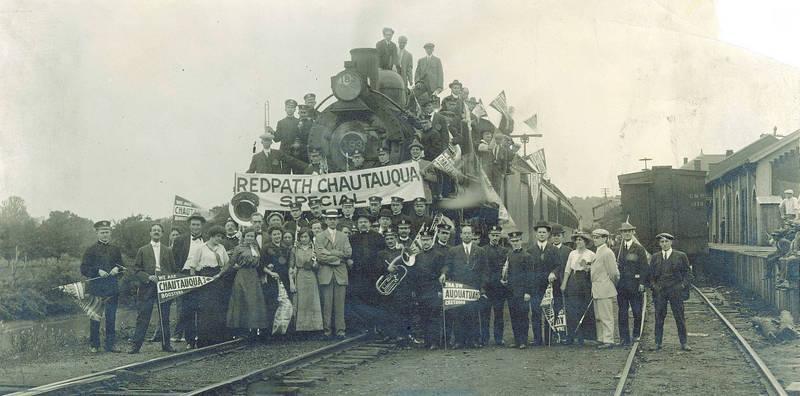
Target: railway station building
(745, 189)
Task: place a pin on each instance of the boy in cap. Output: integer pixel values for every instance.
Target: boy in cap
(669, 278)
(101, 263)
(632, 261)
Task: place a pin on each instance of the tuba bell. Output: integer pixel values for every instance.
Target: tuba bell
(387, 283)
(242, 207)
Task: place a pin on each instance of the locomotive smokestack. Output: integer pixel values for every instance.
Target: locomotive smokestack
(366, 61)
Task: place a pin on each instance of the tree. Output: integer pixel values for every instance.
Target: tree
(64, 232)
(131, 233)
(17, 229)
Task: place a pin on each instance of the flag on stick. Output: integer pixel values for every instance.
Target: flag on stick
(182, 208)
(500, 103)
(93, 306)
(539, 161)
(531, 122)
(479, 111)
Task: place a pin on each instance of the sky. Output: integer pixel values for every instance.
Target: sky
(110, 108)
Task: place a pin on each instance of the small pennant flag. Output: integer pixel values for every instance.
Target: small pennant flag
(532, 122)
(182, 208)
(479, 111)
(93, 306)
(500, 103)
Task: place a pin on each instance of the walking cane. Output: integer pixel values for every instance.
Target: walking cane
(160, 316)
(444, 324)
(584, 315)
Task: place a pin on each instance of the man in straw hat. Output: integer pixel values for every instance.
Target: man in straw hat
(669, 278)
(632, 259)
(605, 275)
(331, 248)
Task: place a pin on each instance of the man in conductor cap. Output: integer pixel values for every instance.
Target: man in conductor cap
(387, 51)
(669, 278)
(101, 263)
(632, 261)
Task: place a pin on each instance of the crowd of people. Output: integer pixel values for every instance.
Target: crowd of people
(328, 264)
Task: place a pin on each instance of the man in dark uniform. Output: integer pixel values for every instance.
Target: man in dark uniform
(443, 236)
(101, 263)
(310, 100)
(420, 216)
(181, 250)
(632, 261)
(356, 160)
(496, 292)
(286, 131)
(315, 166)
(383, 157)
(404, 237)
(315, 211)
(390, 324)
(396, 205)
(365, 243)
(385, 221)
(669, 278)
(152, 260)
(296, 220)
(466, 263)
(428, 289)
(545, 265)
(374, 209)
(435, 136)
(519, 278)
(349, 217)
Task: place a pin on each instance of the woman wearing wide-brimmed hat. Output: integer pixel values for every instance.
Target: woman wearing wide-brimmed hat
(577, 288)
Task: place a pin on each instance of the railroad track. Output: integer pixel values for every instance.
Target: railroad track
(703, 314)
(84, 383)
(208, 370)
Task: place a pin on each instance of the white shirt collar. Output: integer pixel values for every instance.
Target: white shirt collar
(155, 244)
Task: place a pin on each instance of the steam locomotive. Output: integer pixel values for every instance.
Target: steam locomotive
(370, 110)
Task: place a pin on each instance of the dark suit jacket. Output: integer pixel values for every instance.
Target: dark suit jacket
(144, 264)
(277, 163)
(387, 55)
(563, 254)
(286, 131)
(101, 257)
(671, 275)
(430, 72)
(180, 251)
(544, 262)
(472, 270)
(520, 273)
(632, 267)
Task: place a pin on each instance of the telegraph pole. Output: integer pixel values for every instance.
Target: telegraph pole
(525, 138)
(645, 159)
(604, 190)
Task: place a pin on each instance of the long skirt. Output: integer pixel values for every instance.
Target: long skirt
(578, 295)
(211, 310)
(247, 309)
(309, 311)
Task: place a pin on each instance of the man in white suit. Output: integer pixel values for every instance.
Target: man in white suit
(429, 70)
(332, 248)
(406, 61)
(605, 275)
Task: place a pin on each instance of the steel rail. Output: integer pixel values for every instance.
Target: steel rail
(752, 354)
(61, 386)
(626, 370)
(218, 387)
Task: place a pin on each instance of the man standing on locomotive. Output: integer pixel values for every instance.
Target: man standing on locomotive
(632, 260)
(670, 279)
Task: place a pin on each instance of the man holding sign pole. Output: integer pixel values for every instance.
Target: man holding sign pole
(152, 260)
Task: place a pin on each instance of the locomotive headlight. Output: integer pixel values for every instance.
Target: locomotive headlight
(347, 85)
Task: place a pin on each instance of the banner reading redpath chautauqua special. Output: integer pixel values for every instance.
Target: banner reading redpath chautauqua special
(276, 192)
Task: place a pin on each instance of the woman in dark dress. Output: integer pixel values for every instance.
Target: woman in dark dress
(247, 309)
(211, 260)
(275, 264)
(577, 288)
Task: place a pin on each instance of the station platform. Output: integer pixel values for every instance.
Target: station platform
(745, 266)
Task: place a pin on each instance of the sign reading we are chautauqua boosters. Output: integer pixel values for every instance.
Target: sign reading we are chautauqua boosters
(276, 192)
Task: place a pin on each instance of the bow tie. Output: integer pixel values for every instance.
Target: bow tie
(194, 238)
(105, 243)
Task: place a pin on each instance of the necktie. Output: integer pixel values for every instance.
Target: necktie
(665, 256)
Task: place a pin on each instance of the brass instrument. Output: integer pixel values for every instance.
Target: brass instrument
(504, 273)
(387, 283)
